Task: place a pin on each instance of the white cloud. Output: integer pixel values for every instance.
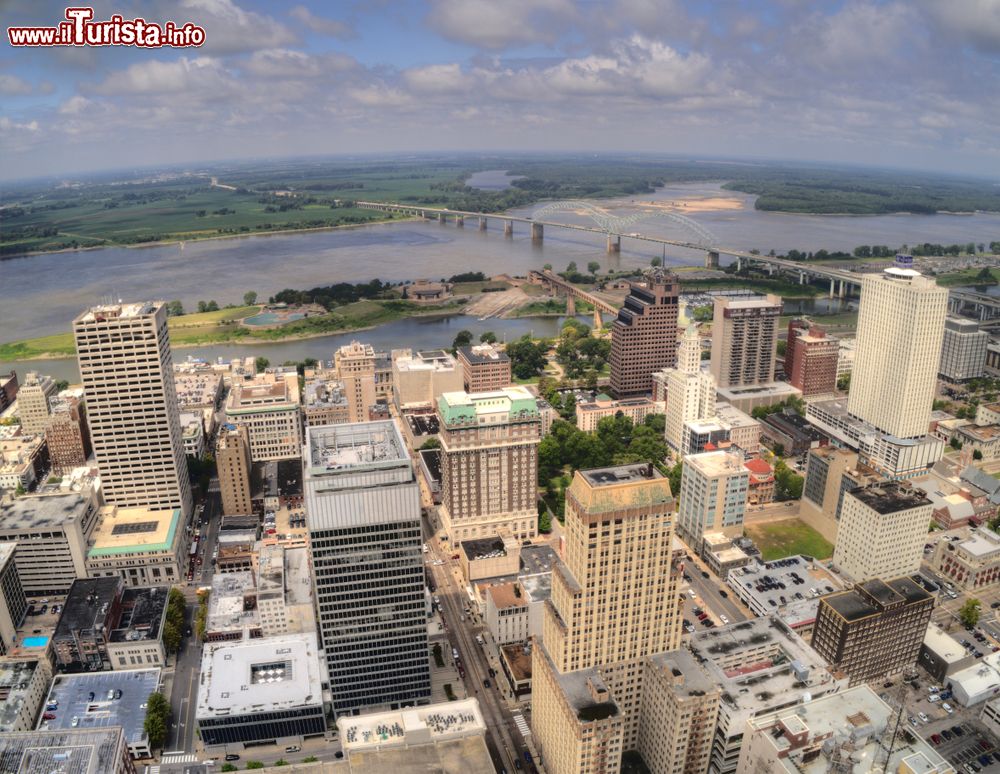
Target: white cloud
(287, 63)
(74, 106)
(189, 77)
(11, 85)
(976, 21)
(229, 28)
(498, 25)
(437, 79)
(324, 26)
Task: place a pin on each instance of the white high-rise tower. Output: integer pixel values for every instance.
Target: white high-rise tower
(690, 391)
(900, 329)
(127, 372)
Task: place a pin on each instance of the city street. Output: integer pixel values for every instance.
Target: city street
(506, 739)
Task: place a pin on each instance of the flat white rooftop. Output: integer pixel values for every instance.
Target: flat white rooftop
(254, 676)
(415, 725)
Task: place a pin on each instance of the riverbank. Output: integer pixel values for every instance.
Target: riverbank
(223, 327)
(181, 240)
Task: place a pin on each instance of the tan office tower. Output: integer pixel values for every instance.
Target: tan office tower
(355, 365)
(690, 391)
(644, 335)
(485, 368)
(744, 339)
(900, 329)
(33, 402)
(614, 602)
(489, 463)
(67, 435)
(232, 458)
(127, 371)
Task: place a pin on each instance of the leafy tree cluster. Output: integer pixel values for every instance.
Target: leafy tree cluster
(468, 276)
(201, 617)
(208, 306)
(527, 357)
(702, 313)
(787, 483)
(174, 625)
(794, 403)
(579, 352)
(969, 613)
(175, 308)
(615, 442)
(331, 296)
(157, 720)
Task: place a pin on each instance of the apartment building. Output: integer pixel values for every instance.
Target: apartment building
(232, 460)
(744, 340)
(690, 390)
(874, 629)
(66, 433)
(125, 363)
(713, 496)
(33, 402)
(610, 608)
(52, 531)
(485, 368)
(489, 463)
(644, 334)
(811, 359)
(680, 708)
(365, 542)
(354, 364)
(901, 322)
(590, 414)
(268, 407)
(883, 527)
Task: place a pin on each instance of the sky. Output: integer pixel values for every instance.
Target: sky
(903, 83)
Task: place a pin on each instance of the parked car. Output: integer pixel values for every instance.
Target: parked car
(232, 757)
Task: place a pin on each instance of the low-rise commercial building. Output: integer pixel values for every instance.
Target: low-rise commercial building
(420, 379)
(136, 639)
(976, 683)
(843, 732)
(489, 557)
(680, 707)
(74, 751)
(791, 433)
(103, 701)
(984, 439)
(719, 553)
(324, 401)
(942, 655)
(485, 368)
(192, 434)
(23, 685)
(883, 527)
(143, 546)
(261, 691)
(269, 408)
(507, 613)
(24, 458)
(232, 608)
(874, 629)
(52, 531)
(90, 611)
(588, 415)
(970, 563)
(743, 430)
(760, 666)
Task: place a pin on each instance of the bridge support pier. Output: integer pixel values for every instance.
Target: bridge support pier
(598, 322)
(832, 283)
(482, 223)
(460, 221)
(739, 264)
(614, 243)
(843, 288)
(570, 305)
(440, 217)
(536, 232)
(508, 228)
(770, 270)
(802, 278)
(712, 260)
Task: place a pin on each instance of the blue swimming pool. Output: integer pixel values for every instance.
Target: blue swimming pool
(35, 642)
(273, 318)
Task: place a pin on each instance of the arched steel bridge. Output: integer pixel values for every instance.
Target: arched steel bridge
(616, 226)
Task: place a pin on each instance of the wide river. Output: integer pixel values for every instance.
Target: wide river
(40, 295)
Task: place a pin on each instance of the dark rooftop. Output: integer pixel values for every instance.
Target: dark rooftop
(794, 426)
(142, 614)
(423, 424)
(619, 474)
(890, 496)
(872, 596)
(290, 478)
(87, 604)
(474, 357)
(480, 548)
(432, 459)
(239, 521)
(50, 510)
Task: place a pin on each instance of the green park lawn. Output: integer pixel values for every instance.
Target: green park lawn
(788, 537)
